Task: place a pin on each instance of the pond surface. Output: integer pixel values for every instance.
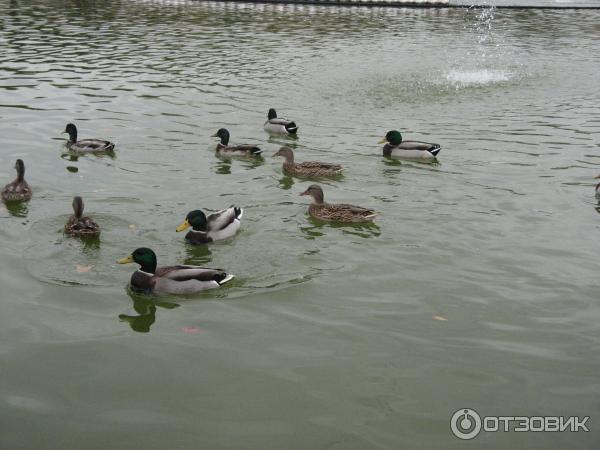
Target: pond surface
(476, 287)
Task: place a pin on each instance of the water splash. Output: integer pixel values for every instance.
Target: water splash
(490, 60)
(464, 78)
(484, 32)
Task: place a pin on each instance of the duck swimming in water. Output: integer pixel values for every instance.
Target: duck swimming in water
(220, 225)
(181, 279)
(395, 147)
(18, 190)
(78, 225)
(308, 168)
(279, 125)
(340, 212)
(86, 145)
(225, 149)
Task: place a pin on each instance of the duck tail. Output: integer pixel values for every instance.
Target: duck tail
(291, 128)
(435, 150)
(227, 277)
(256, 151)
(239, 212)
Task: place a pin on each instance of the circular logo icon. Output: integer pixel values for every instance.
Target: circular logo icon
(465, 423)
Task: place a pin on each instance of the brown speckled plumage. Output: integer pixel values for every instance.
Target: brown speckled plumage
(307, 169)
(18, 190)
(78, 225)
(340, 212)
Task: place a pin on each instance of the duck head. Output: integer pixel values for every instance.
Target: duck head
(78, 206)
(72, 130)
(145, 257)
(287, 153)
(272, 114)
(315, 192)
(393, 137)
(195, 219)
(20, 168)
(222, 134)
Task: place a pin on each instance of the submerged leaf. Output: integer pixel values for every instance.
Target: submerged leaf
(83, 269)
(191, 330)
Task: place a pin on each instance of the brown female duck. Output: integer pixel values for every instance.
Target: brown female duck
(18, 190)
(336, 212)
(78, 225)
(307, 168)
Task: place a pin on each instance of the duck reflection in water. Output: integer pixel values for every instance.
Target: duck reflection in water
(146, 308)
(284, 139)
(319, 228)
(197, 255)
(286, 182)
(17, 209)
(223, 165)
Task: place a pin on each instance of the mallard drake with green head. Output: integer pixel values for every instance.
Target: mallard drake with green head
(395, 147)
(220, 225)
(171, 279)
(86, 145)
(78, 225)
(307, 168)
(279, 125)
(225, 149)
(336, 212)
(18, 190)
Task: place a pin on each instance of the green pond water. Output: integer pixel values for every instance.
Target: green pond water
(476, 287)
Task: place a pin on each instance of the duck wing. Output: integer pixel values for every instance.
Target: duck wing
(243, 149)
(319, 165)
(92, 145)
(224, 218)
(348, 213)
(82, 226)
(188, 279)
(289, 125)
(354, 209)
(417, 145)
(185, 273)
(17, 191)
(247, 148)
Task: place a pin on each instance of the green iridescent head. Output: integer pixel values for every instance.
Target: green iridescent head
(145, 257)
(195, 219)
(393, 137)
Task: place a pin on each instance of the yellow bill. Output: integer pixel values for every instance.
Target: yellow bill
(184, 226)
(127, 260)
(383, 141)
